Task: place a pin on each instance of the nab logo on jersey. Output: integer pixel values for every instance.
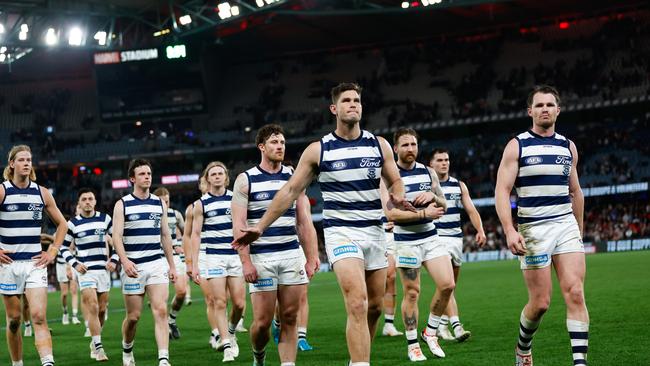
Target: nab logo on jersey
(212, 214)
(81, 234)
(134, 217)
(12, 208)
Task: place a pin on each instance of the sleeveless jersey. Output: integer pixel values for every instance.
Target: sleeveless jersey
(216, 234)
(416, 181)
(449, 224)
(21, 218)
(142, 218)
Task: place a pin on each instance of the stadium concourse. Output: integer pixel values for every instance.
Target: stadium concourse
(90, 86)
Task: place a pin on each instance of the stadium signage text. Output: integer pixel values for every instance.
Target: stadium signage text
(115, 57)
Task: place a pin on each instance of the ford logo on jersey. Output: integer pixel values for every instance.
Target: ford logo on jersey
(262, 196)
(533, 160)
(370, 163)
(134, 217)
(564, 160)
(12, 208)
(338, 165)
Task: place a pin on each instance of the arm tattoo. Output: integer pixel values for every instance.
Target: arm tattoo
(410, 273)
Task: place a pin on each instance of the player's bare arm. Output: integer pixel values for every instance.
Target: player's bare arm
(399, 216)
(474, 216)
(239, 214)
(307, 234)
(391, 178)
(57, 218)
(118, 242)
(166, 241)
(577, 197)
(506, 177)
(197, 228)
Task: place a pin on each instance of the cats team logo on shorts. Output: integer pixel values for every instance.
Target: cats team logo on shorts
(536, 259)
(349, 248)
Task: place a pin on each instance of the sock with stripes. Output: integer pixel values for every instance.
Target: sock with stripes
(47, 360)
(455, 323)
(302, 333)
(97, 342)
(259, 355)
(28, 324)
(127, 348)
(215, 334)
(65, 310)
(527, 329)
(389, 318)
(172, 316)
(412, 338)
(432, 325)
(232, 328)
(444, 321)
(579, 335)
(163, 355)
(276, 323)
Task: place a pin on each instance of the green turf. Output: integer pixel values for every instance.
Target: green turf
(490, 294)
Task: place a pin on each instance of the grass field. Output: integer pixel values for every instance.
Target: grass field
(490, 294)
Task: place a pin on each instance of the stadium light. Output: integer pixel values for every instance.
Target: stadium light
(75, 36)
(185, 19)
(2, 28)
(262, 3)
(3, 49)
(405, 4)
(226, 10)
(51, 38)
(3, 57)
(100, 37)
(23, 32)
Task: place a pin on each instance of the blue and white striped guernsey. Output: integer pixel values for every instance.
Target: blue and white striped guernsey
(21, 217)
(142, 219)
(216, 234)
(349, 177)
(262, 187)
(59, 257)
(542, 182)
(89, 235)
(449, 224)
(172, 221)
(416, 181)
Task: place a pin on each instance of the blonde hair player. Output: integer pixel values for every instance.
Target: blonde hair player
(23, 268)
